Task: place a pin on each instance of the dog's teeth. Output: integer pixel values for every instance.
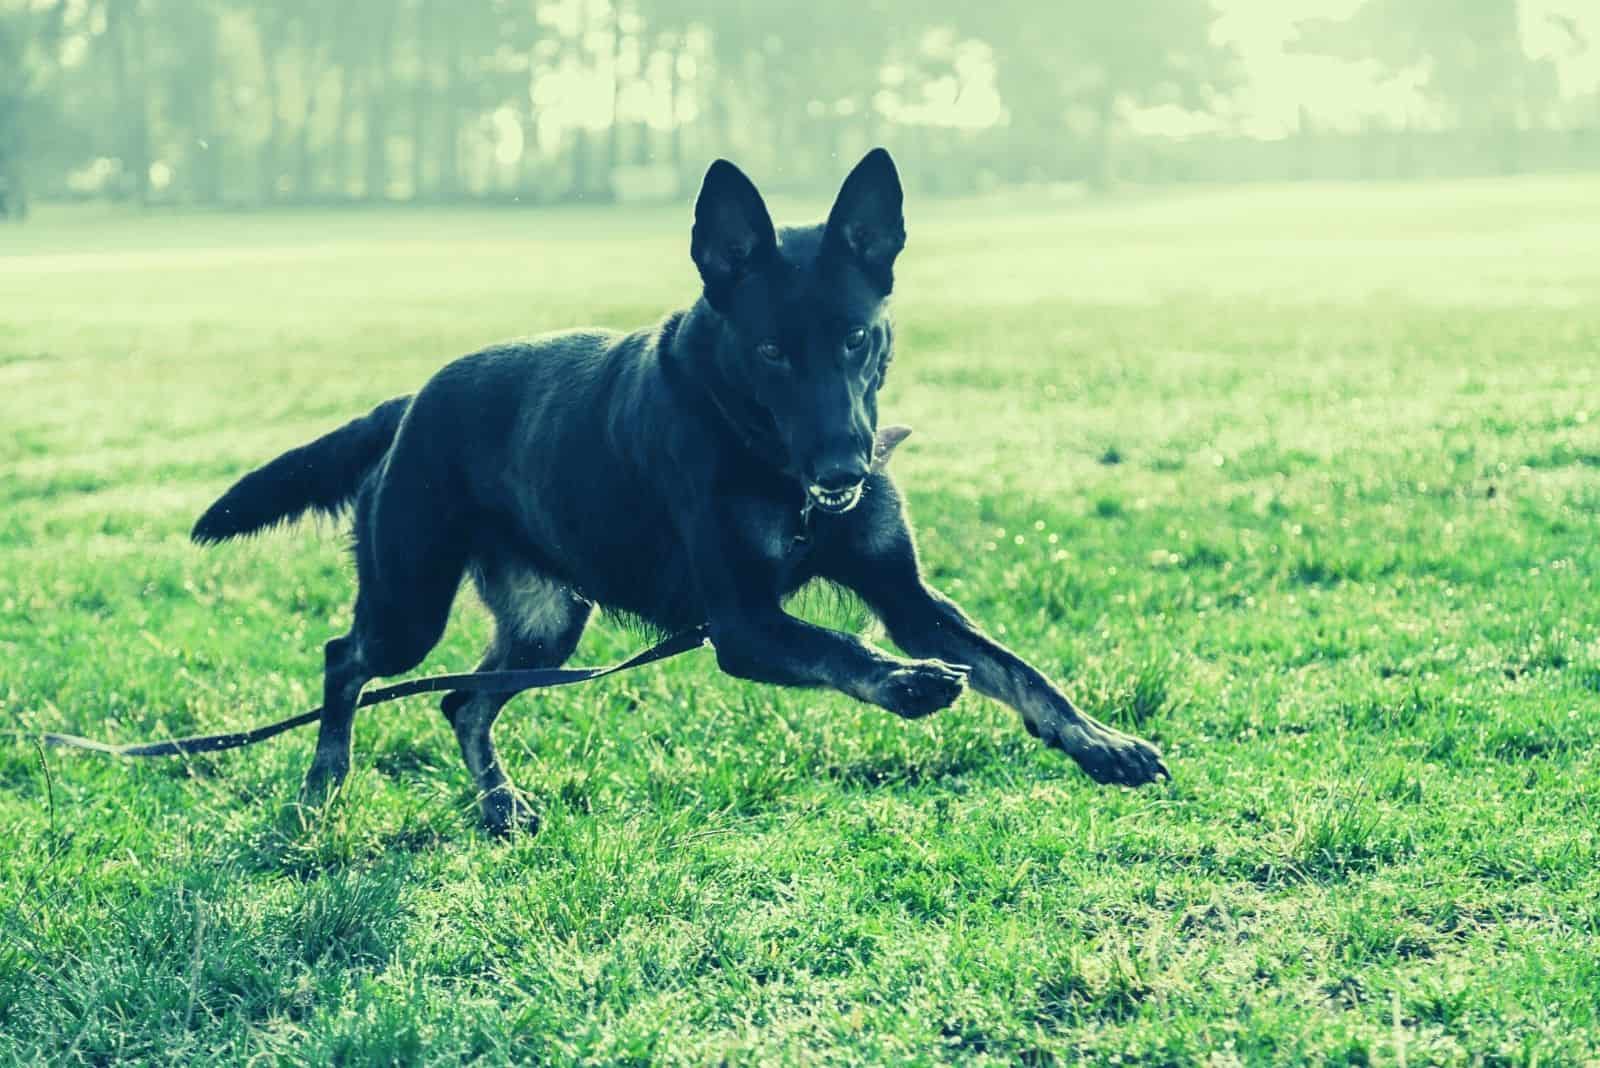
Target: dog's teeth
(836, 500)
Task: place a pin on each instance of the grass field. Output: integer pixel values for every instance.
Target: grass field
(1304, 484)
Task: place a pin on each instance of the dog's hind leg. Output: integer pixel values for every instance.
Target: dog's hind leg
(343, 676)
(407, 582)
(537, 624)
(381, 642)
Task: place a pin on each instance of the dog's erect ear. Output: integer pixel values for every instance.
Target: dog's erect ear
(867, 222)
(732, 230)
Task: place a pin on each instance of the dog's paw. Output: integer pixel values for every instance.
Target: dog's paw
(1104, 753)
(1113, 758)
(921, 687)
(323, 781)
(506, 813)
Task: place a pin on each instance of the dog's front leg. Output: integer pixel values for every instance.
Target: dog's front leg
(774, 647)
(924, 622)
(880, 564)
(735, 558)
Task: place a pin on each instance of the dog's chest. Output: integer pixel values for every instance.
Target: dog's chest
(782, 541)
(640, 563)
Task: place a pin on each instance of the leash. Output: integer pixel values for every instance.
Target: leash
(507, 682)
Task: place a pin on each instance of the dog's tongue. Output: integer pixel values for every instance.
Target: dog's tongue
(888, 439)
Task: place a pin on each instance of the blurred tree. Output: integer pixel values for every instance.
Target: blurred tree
(789, 91)
(670, 28)
(376, 29)
(1467, 55)
(475, 41)
(217, 101)
(124, 43)
(191, 70)
(1082, 65)
(29, 37)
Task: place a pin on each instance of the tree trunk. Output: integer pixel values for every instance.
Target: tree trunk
(376, 180)
(205, 150)
(311, 52)
(271, 41)
(419, 101)
(125, 35)
(614, 131)
(580, 163)
(377, 108)
(675, 144)
(527, 166)
(140, 106)
(305, 176)
(341, 136)
(449, 131)
(1104, 175)
(13, 182)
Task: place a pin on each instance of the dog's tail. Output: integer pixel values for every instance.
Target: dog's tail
(324, 475)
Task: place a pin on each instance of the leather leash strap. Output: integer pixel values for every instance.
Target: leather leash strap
(508, 682)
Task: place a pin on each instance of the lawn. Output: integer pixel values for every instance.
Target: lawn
(1302, 483)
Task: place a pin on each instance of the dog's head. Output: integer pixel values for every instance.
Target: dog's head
(803, 333)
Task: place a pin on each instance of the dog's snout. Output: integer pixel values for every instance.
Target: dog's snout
(841, 475)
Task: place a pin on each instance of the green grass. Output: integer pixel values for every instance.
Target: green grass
(1301, 483)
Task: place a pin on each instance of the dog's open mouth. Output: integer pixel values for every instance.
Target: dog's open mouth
(835, 501)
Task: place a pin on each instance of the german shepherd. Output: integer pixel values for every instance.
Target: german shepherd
(698, 471)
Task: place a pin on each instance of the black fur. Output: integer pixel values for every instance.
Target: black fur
(323, 476)
(701, 470)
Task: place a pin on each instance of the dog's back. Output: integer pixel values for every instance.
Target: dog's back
(554, 452)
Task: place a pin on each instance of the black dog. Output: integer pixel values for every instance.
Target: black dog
(698, 471)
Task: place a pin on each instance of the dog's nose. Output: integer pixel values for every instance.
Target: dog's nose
(841, 475)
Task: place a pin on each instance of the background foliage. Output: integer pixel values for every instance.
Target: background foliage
(248, 102)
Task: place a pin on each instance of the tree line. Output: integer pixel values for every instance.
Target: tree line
(249, 102)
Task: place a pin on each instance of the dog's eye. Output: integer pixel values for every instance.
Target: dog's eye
(770, 352)
(855, 339)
